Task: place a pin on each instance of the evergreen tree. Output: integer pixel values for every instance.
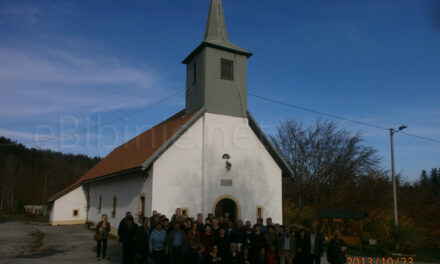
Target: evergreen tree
(424, 179)
(435, 178)
(30, 176)
(433, 175)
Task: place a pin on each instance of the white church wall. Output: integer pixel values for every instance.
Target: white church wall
(70, 209)
(256, 178)
(177, 174)
(126, 189)
(178, 180)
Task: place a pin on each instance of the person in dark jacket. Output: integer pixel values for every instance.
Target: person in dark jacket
(128, 238)
(142, 237)
(233, 257)
(247, 234)
(261, 257)
(302, 248)
(270, 237)
(198, 257)
(245, 255)
(176, 245)
(223, 243)
(336, 250)
(200, 224)
(123, 223)
(215, 227)
(238, 235)
(317, 240)
(213, 257)
(257, 241)
(102, 230)
(175, 216)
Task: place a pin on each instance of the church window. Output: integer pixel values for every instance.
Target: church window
(99, 204)
(114, 207)
(88, 201)
(75, 213)
(227, 69)
(142, 205)
(259, 212)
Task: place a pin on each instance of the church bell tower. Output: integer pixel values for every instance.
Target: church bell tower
(216, 70)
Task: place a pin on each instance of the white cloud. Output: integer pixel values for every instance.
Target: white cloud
(62, 66)
(56, 81)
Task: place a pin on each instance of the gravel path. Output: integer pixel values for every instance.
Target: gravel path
(60, 244)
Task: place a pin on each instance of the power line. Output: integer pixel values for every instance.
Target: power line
(105, 123)
(336, 116)
(250, 94)
(420, 137)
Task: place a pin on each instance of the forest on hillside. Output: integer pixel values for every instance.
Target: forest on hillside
(30, 176)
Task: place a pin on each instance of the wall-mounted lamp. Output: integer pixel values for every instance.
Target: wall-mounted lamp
(227, 157)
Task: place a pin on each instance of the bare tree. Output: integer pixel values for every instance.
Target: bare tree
(325, 161)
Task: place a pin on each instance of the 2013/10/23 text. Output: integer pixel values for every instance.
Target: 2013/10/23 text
(369, 260)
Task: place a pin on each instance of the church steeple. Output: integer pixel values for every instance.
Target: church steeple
(215, 32)
(216, 26)
(216, 70)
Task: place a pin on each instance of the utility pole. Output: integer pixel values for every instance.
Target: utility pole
(393, 177)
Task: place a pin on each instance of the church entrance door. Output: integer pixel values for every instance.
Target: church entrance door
(227, 205)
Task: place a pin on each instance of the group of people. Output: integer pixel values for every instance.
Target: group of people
(185, 240)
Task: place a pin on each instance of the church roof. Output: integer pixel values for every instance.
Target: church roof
(133, 154)
(216, 35)
(141, 151)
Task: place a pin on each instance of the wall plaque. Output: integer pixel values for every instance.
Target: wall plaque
(226, 182)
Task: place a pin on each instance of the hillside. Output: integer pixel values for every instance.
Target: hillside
(29, 175)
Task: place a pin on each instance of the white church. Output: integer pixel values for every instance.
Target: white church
(212, 157)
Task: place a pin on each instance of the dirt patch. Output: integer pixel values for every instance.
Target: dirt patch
(44, 252)
(35, 247)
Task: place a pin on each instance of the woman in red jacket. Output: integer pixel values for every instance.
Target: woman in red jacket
(207, 239)
(272, 256)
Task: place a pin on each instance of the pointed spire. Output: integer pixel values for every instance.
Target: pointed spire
(215, 34)
(216, 26)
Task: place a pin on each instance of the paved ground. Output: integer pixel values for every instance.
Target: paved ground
(38, 243)
(21, 244)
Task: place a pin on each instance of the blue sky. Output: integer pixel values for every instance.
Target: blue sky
(67, 66)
